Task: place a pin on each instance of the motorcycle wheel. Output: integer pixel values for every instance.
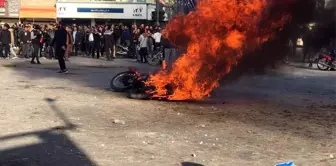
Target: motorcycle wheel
(322, 64)
(122, 81)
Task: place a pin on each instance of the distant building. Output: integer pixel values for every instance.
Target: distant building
(9, 10)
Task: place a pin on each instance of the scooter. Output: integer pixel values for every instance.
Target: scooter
(326, 61)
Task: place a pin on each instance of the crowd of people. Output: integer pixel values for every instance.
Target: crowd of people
(88, 40)
(35, 41)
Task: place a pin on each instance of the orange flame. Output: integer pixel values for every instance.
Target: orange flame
(215, 37)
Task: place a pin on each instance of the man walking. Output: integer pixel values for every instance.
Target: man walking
(60, 40)
(36, 37)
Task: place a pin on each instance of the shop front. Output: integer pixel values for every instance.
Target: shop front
(100, 13)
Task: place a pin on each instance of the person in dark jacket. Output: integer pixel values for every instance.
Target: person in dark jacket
(117, 33)
(80, 40)
(127, 37)
(5, 39)
(36, 37)
(96, 42)
(25, 39)
(49, 36)
(108, 42)
(60, 40)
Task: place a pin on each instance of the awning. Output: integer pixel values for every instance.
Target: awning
(38, 9)
(38, 13)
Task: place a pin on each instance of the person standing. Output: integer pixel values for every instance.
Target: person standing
(157, 38)
(79, 41)
(5, 39)
(87, 42)
(90, 42)
(108, 42)
(60, 40)
(69, 42)
(170, 52)
(96, 43)
(50, 36)
(101, 31)
(25, 39)
(74, 44)
(117, 31)
(12, 45)
(36, 37)
(127, 37)
(143, 46)
(150, 43)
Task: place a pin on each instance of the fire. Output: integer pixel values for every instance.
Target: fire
(215, 37)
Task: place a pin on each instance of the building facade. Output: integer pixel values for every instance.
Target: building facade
(103, 11)
(9, 10)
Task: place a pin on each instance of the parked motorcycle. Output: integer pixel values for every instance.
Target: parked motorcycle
(326, 61)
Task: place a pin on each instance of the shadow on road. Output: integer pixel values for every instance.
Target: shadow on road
(190, 164)
(50, 147)
(82, 71)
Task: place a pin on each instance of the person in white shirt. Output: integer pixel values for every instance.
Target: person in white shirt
(74, 36)
(91, 42)
(143, 47)
(157, 38)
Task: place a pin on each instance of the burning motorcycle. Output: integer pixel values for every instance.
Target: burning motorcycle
(326, 61)
(132, 82)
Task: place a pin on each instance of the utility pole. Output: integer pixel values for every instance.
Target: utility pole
(157, 12)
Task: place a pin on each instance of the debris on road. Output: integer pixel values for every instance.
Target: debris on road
(331, 156)
(117, 121)
(286, 164)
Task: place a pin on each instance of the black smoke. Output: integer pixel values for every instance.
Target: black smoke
(272, 52)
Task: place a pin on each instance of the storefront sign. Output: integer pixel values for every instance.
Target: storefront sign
(105, 11)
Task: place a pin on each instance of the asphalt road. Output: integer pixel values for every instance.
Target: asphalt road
(288, 114)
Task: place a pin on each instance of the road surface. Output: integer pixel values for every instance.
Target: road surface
(73, 120)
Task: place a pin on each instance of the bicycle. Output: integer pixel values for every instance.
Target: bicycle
(156, 58)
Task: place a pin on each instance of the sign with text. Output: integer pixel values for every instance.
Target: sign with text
(105, 11)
